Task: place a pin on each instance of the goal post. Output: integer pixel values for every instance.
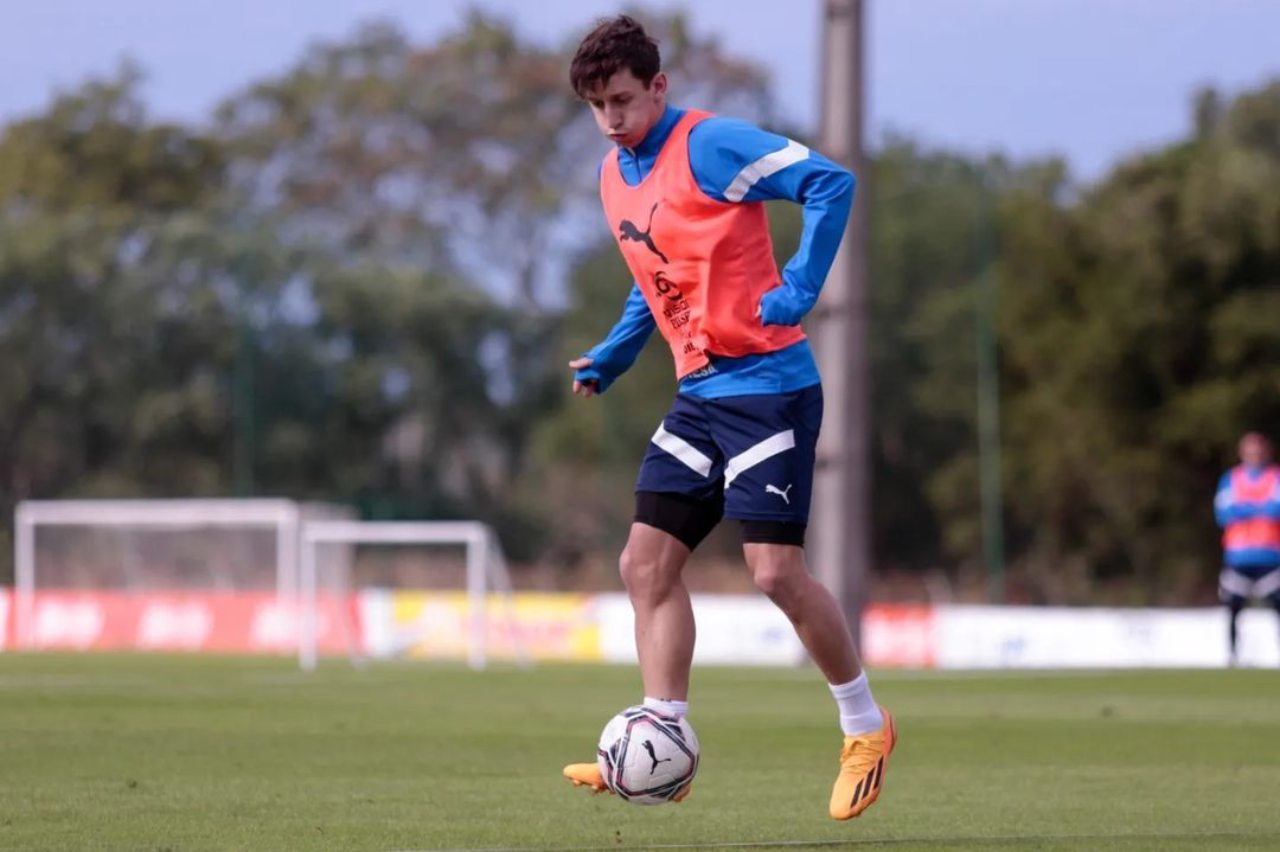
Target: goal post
(282, 517)
(486, 571)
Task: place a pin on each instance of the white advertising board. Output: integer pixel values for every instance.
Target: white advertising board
(732, 630)
(1042, 637)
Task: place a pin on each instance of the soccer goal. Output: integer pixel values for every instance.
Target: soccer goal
(324, 572)
(137, 546)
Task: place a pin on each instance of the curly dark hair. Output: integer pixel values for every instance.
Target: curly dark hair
(615, 45)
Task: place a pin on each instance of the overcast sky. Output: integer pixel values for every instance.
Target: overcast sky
(1092, 80)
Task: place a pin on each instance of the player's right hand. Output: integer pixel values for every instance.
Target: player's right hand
(783, 305)
(580, 388)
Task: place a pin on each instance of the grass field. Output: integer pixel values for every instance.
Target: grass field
(140, 752)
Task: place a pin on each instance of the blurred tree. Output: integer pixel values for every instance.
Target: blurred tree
(90, 195)
(365, 280)
(1140, 339)
(468, 154)
(1138, 336)
(410, 174)
(929, 215)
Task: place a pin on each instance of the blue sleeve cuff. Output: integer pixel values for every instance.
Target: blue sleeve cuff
(593, 374)
(785, 305)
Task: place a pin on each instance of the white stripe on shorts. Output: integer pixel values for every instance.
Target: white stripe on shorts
(686, 453)
(1233, 582)
(1268, 584)
(766, 449)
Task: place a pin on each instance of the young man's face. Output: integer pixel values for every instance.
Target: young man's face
(1254, 450)
(625, 108)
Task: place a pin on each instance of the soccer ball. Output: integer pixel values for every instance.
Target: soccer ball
(646, 757)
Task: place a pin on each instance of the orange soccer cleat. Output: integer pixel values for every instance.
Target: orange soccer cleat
(588, 775)
(863, 763)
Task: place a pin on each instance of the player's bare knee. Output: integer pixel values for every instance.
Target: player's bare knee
(770, 580)
(778, 571)
(778, 579)
(646, 578)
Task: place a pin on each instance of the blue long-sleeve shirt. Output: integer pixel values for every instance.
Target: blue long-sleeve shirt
(731, 161)
(1230, 507)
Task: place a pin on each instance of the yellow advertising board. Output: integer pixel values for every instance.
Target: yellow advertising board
(552, 626)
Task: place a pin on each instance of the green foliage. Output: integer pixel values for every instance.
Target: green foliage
(94, 148)
(1139, 340)
(363, 280)
(346, 289)
(928, 220)
(109, 351)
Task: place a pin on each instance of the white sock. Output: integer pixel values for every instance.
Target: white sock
(859, 713)
(667, 706)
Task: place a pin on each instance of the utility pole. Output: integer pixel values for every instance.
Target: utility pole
(840, 536)
(989, 459)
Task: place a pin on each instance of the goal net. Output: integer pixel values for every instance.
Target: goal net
(154, 574)
(461, 560)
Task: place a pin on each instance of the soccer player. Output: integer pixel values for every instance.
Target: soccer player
(683, 194)
(1248, 509)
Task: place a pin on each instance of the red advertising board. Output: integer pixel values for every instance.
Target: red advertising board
(899, 635)
(214, 622)
(5, 598)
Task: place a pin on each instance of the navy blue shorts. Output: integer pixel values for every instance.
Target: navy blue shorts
(1239, 584)
(758, 450)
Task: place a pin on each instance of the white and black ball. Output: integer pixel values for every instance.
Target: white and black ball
(647, 757)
